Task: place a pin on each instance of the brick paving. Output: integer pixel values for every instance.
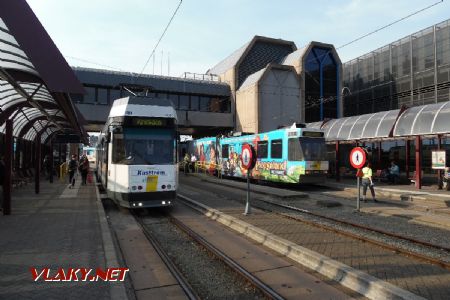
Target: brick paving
(58, 228)
(426, 280)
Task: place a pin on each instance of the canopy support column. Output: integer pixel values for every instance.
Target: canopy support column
(418, 162)
(439, 174)
(51, 163)
(37, 163)
(379, 156)
(336, 162)
(407, 154)
(7, 181)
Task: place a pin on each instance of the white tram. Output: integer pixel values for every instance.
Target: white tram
(136, 153)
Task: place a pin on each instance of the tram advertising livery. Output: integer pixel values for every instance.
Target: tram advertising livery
(136, 153)
(289, 155)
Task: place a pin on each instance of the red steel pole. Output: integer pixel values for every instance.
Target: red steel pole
(418, 162)
(7, 181)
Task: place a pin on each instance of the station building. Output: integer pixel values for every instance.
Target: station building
(203, 105)
(265, 84)
(268, 83)
(396, 106)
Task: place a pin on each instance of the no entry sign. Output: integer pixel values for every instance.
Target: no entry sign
(248, 157)
(358, 157)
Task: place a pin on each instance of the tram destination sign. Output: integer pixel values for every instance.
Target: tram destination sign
(315, 134)
(148, 122)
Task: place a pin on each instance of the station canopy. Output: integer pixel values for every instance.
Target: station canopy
(35, 80)
(424, 120)
(430, 119)
(368, 126)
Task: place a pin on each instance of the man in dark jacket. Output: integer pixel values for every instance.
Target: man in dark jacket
(73, 166)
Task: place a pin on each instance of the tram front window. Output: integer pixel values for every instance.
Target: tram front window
(138, 146)
(306, 148)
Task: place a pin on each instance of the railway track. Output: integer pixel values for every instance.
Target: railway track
(382, 238)
(233, 265)
(364, 228)
(188, 290)
(266, 290)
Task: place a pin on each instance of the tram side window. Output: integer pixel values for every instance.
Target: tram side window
(294, 150)
(276, 148)
(262, 149)
(118, 153)
(225, 151)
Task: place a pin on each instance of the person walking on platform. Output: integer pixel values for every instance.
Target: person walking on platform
(73, 166)
(186, 161)
(367, 182)
(47, 167)
(84, 169)
(193, 161)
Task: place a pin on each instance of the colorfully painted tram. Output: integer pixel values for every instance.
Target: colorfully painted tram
(290, 155)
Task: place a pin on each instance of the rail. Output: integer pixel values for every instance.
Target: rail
(188, 290)
(269, 292)
(385, 245)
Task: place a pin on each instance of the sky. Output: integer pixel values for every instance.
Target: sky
(120, 35)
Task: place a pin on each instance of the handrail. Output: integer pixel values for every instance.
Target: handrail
(62, 171)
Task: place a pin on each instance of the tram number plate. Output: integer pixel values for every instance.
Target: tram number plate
(152, 183)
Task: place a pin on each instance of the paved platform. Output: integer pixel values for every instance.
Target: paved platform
(57, 228)
(429, 196)
(427, 207)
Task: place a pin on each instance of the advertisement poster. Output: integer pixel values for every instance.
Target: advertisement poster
(438, 160)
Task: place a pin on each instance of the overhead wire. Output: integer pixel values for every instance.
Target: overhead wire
(160, 38)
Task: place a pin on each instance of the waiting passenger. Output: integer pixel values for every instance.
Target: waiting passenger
(394, 173)
(367, 182)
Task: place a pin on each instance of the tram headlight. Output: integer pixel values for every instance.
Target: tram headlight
(169, 186)
(163, 186)
(139, 187)
(140, 203)
(164, 203)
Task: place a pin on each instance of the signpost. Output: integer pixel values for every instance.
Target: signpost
(248, 160)
(358, 158)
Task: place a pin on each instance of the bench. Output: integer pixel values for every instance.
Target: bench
(413, 177)
(379, 174)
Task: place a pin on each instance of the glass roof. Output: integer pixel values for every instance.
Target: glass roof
(369, 126)
(423, 120)
(24, 97)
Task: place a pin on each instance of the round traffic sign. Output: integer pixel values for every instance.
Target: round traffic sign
(358, 157)
(248, 156)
